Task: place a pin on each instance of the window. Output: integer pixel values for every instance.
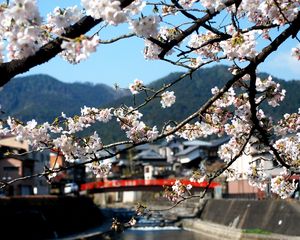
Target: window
(175, 150)
(10, 169)
(212, 153)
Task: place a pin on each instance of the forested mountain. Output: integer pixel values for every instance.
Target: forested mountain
(43, 97)
(191, 93)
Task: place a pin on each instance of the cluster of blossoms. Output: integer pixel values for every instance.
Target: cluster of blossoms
(232, 174)
(167, 34)
(62, 18)
(213, 122)
(108, 10)
(136, 130)
(140, 209)
(83, 149)
(217, 118)
(79, 49)
(168, 10)
(230, 150)
(186, 3)
(264, 12)
(151, 50)
(289, 124)
(196, 130)
(177, 191)
(146, 26)
(100, 169)
(20, 26)
(135, 7)
(226, 100)
(38, 136)
(289, 149)
(240, 125)
(241, 46)
(136, 86)
(132, 222)
(257, 177)
(198, 42)
(236, 127)
(88, 116)
(200, 174)
(96, 114)
(167, 131)
(281, 186)
(167, 99)
(213, 5)
(272, 91)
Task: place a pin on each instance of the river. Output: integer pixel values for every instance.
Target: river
(154, 228)
(157, 233)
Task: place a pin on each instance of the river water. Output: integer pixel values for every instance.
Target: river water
(157, 233)
(149, 228)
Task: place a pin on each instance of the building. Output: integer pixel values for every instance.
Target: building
(197, 151)
(169, 149)
(17, 161)
(255, 156)
(75, 175)
(150, 165)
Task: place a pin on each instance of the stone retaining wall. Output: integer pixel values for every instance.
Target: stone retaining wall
(215, 231)
(277, 216)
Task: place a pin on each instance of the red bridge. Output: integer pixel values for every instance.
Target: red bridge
(139, 185)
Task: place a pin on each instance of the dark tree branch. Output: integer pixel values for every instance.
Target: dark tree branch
(10, 69)
(198, 23)
(264, 136)
(291, 31)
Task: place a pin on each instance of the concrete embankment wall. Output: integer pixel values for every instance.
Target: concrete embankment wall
(215, 231)
(276, 216)
(46, 217)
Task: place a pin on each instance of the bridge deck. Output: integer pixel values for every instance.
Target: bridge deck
(139, 185)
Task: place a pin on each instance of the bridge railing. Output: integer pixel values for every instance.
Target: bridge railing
(142, 182)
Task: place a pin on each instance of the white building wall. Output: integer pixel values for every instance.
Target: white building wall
(131, 196)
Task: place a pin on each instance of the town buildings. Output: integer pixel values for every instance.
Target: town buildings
(176, 159)
(16, 161)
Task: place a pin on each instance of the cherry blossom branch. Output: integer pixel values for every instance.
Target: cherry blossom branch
(211, 178)
(10, 69)
(283, 15)
(198, 23)
(291, 31)
(129, 35)
(264, 136)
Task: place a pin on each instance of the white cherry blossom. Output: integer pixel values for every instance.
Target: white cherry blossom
(79, 49)
(146, 26)
(167, 99)
(136, 86)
